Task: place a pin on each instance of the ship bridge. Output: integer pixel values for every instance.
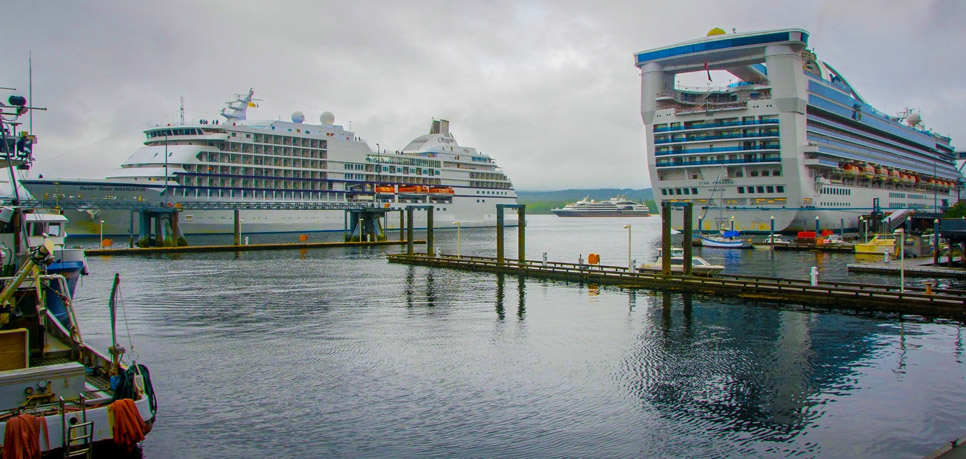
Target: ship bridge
(732, 52)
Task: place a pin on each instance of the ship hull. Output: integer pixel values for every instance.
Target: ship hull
(613, 213)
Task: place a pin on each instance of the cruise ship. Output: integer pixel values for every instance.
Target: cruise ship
(270, 167)
(614, 207)
(789, 141)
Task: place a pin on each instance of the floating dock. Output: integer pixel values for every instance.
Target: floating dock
(832, 295)
(917, 267)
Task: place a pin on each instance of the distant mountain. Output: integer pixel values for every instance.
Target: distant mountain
(540, 202)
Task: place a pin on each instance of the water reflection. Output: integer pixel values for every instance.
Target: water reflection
(501, 296)
(744, 375)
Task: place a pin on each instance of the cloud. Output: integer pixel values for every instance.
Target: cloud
(549, 89)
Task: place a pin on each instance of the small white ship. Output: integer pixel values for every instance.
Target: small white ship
(614, 207)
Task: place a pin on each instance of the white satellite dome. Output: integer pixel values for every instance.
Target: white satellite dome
(298, 117)
(327, 118)
(913, 119)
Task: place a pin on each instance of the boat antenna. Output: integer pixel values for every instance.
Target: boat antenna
(182, 110)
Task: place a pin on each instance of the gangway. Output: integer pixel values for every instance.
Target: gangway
(896, 219)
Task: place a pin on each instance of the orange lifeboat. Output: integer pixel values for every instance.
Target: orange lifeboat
(906, 178)
(882, 173)
(850, 169)
(385, 189)
(868, 171)
(441, 190)
(414, 189)
(894, 175)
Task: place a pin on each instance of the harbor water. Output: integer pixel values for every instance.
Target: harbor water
(335, 352)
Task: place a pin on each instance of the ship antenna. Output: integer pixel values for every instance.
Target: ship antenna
(182, 110)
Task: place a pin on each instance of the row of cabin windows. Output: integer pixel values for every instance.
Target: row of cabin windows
(838, 191)
(678, 191)
(763, 173)
(761, 189)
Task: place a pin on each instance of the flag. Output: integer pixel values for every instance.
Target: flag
(706, 69)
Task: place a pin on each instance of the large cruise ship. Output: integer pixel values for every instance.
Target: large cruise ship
(271, 167)
(791, 140)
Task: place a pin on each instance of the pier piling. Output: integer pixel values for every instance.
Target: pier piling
(666, 238)
(687, 243)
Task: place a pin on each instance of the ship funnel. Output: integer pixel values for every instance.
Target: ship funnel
(440, 127)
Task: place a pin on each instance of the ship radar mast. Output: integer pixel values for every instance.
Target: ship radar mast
(238, 108)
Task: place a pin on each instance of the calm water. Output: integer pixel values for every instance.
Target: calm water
(335, 352)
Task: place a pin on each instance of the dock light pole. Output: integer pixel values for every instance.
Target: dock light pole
(732, 223)
(630, 264)
(817, 232)
(102, 233)
(771, 234)
(902, 256)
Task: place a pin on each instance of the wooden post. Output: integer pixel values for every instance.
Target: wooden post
(130, 231)
(409, 231)
(402, 227)
(688, 265)
(666, 238)
(521, 236)
(429, 230)
(499, 235)
(237, 227)
(175, 225)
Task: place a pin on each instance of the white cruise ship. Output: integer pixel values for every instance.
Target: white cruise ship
(791, 141)
(273, 166)
(614, 207)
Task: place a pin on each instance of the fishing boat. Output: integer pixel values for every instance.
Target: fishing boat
(699, 266)
(725, 240)
(58, 395)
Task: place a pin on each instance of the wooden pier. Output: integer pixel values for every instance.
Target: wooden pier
(242, 248)
(832, 295)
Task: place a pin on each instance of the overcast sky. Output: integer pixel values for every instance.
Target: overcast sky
(548, 89)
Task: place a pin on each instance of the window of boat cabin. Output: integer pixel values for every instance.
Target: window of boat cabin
(780, 188)
(771, 189)
(761, 189)
(741, 190)
(753, 173)
(694, 191)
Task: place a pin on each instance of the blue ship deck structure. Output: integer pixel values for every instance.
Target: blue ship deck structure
(792, 140)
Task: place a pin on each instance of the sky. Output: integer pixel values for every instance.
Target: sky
(547, 88)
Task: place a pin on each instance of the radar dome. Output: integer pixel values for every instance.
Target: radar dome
(716, 31)
(327, 118)
(913, 119)
(298, 117)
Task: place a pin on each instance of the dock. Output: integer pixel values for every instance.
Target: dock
(243, 248)
(795, 247)
(943, 303)
(916, 267)
(832, 295)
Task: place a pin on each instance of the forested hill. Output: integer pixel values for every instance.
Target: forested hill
(540, 202)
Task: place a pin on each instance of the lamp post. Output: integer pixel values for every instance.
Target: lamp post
(102, 233)
(165, 167)
(457, 239)
(630, 264)
(902, 256)
(771, 234)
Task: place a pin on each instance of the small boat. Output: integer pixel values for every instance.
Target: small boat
(726, 240)
(776, 239)
(413, 189)
(441, 190)
(387, 189)
(700, 266)
(879, 244)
